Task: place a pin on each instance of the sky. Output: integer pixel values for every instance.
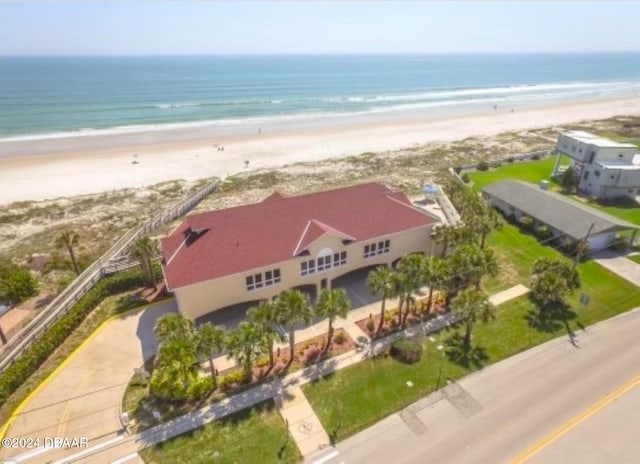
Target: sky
(268, 27)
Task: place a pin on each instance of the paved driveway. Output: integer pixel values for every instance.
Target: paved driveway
(83, 399)
(619, 265)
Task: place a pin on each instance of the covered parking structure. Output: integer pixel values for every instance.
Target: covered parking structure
(563, 217)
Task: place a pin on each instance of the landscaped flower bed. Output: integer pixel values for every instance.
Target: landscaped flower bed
(232, 381)
(419, 313)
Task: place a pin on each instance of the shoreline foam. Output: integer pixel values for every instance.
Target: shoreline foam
(62, 169)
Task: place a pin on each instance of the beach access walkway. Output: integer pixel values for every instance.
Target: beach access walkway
(88, 389)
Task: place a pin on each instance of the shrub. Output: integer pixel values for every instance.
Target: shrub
(526, 222)
(511, 159)
(200, 388)
(405, 350)
(311, 355)
(535, 157)
(457, 169)
(16, 283)
(371, 325)
(543, 232)
(340, 337)
(227, 381)
(621, 244)
(482, 166)
(262, 361)
(465, 178)
(139, 380)
(496, 164)
(31, 358)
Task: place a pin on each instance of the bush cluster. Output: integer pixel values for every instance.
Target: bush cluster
(340, 338)
(230, 379)
(31, 358)
(482, 166)
(408, 351)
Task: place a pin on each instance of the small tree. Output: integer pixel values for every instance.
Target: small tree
(381, 282)
(245, 344)
(210, 340)
(266, 317)
(332, 304)
(569, 180)
(552, 280)
(472, 306)
(16, 283)
(173, 326)
(69, 239)
(293, 308)
(143, 251)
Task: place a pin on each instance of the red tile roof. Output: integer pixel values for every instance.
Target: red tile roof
(239, 239)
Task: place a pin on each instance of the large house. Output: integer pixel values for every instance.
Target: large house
(605, 168)
(252, 253)
(563, 217)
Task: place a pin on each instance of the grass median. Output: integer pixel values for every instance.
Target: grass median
(253, 435)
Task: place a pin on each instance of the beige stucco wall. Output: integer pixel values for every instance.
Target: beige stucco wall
(202, 298)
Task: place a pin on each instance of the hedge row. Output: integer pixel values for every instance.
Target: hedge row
(30, 359)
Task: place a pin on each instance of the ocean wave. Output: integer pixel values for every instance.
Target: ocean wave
(501, 96)
(165, 106)
(486, 91)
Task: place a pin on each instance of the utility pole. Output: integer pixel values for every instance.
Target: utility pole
(581, 246)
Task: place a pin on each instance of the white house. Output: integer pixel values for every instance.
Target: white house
(605, 168)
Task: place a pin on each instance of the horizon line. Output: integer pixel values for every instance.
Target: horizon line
(265, 54)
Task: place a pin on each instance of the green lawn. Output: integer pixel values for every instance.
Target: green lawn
(256, 434)
(529, 171)
(634, 258)
(361, 395)
(535, 171)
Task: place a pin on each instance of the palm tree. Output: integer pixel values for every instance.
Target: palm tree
(435, 271)
(411, 277)
(179, 354)
(265, 316)
(443, 235)
(69, 239)
(483, 222)
(331, 304)
(471, 305)
(381, 282)
(143, 251)
(552, 280)
(173, 326)
(293, 308)
(210, 342)
(245, 344)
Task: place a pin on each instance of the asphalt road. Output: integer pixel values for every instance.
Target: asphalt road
(555, 403)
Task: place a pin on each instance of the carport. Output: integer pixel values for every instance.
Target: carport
(355, 284)
(230, 316)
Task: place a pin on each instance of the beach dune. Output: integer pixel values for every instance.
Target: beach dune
(53, 168)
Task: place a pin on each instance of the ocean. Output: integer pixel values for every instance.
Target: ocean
(42, 97)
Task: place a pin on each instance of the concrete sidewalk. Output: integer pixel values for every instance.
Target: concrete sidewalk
(620, 265)
(303, 424)
(509, 294)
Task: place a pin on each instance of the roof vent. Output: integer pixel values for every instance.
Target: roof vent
(191, 235)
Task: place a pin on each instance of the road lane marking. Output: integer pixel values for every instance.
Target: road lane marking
(572, 423)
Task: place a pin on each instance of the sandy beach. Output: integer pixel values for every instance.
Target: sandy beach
(47, 169)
